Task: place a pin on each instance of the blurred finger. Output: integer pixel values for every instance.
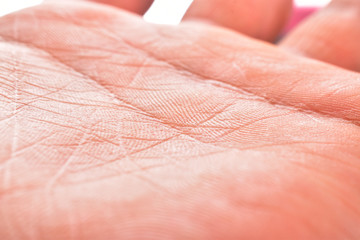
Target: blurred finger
(261, 19)
(257, 18)
(332, 35)
(136, 6)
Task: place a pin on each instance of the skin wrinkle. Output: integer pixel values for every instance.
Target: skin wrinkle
(142, 169)
(251, 123)
(56, 90)
(133, 152)
(14, 144)
(121, 100)
(258, 147)
(21, 150)
(81, 75)
(307, 110)
(70, 158)
(78, 195)
(275, 102)
(15, 135)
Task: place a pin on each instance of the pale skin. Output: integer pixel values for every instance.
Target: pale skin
(113, 128)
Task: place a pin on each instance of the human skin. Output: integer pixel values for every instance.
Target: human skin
(113, 128)
(332, 35)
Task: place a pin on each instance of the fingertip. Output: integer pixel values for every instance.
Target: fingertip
(331, 35)
(256, 18)
(136, 6)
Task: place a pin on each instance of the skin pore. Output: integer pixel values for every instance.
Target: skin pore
(113, 128)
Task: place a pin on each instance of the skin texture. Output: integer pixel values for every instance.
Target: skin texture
(113, 128)
(332, 35)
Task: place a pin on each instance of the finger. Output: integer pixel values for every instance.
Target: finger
(136, 6)
(332, 35)
(257, 18)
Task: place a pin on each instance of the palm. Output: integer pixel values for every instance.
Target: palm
(139, 132)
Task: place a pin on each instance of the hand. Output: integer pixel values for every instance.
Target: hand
(113, 128)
